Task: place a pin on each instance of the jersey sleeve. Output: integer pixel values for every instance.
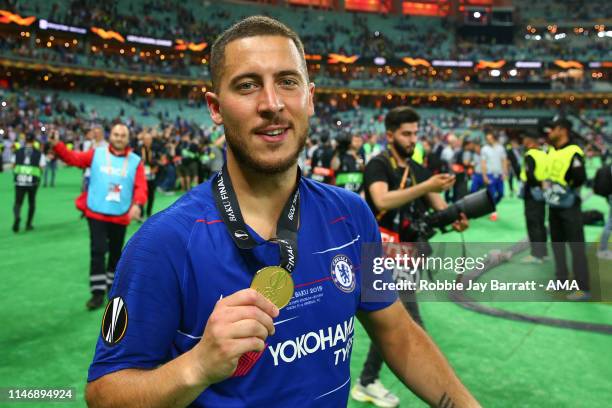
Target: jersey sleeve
(144, 311)
(371, 301)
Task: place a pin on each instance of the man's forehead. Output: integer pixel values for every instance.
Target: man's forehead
(253, 54)
(409, 126)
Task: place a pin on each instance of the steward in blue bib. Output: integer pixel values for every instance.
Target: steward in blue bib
(111, 184)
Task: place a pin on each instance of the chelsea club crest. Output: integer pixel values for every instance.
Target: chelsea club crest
(342, 273)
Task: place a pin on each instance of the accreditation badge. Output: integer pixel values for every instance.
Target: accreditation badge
(114, 193)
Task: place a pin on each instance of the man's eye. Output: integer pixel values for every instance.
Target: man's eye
(288, 82)
(246, 86)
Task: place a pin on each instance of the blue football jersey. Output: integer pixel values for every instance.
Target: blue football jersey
(183, 260)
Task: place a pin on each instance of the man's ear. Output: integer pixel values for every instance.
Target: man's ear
(389, 136)
(311, 91)
(212, 100)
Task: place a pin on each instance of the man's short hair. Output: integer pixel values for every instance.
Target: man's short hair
(399, 115)
(249, 27)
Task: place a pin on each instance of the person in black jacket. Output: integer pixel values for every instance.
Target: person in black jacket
(566, 174)
(29, 163)
(514, 159)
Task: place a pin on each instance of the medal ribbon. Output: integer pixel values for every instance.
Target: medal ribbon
(286, 228)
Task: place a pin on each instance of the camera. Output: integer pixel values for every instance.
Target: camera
(475, 205)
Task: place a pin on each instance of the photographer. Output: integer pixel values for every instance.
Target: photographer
(347, 164)
(399, 192)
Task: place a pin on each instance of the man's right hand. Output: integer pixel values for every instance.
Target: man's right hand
(440, 182)
(239, 323)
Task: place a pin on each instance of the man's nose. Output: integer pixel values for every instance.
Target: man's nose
(270, 101)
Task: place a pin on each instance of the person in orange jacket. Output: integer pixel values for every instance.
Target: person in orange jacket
(116, 190)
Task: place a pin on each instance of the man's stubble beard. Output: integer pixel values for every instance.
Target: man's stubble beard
(118, 148)
(402, 151)
(241, 153)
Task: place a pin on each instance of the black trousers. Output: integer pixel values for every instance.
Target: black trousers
(535, 214)
(20, 193)
(566, 227)
(104, 237)
(374, 361)
(511, 181)
(151, 185)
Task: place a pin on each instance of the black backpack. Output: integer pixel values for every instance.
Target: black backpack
(602, 183)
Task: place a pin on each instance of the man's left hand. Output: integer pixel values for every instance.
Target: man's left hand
(135, 212)
(461, 224)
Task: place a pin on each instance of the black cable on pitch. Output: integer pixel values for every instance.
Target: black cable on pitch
(467, 303)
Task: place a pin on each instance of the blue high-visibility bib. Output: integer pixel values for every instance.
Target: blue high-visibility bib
(111, 183)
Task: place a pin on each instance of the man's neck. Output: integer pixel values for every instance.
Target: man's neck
(117, 152)
(562, 143)
(261, 197)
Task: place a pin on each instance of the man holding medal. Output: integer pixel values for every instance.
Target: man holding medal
(244, 292)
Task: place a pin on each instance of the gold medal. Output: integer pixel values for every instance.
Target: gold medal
(275, 283)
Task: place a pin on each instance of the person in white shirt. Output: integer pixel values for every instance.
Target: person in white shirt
(494, 168)
(94, 139)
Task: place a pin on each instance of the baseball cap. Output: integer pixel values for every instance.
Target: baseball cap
(558, 121)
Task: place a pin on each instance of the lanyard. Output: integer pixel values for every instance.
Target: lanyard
(286, 229)
(125, 163)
